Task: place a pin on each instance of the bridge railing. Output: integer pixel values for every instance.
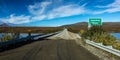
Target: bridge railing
(25, 39)
(46, 35)
(109, 49)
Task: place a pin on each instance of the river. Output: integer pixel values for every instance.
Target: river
(24, 34)
(117, 35)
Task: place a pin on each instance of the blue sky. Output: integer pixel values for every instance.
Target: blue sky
(57, 12)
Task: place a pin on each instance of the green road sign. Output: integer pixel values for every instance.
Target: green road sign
(95, 22)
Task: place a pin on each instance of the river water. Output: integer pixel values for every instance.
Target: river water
(24, 34)
(117, 35)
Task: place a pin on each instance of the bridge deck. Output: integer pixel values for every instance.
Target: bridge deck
(49, 50)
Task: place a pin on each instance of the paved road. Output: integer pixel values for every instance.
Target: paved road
(49, 50)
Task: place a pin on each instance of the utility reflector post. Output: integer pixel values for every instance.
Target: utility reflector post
(94, 22)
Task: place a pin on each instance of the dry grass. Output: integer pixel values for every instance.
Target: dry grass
(29, 29)
(116, 45)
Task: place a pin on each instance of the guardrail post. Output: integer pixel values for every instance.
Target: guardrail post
(29, 36)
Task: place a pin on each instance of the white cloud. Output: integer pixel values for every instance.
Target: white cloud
(67, 10)
(41, 17)
(38, 12)
(38, 8)
(16, 19)
(116, 3)
(110, 8)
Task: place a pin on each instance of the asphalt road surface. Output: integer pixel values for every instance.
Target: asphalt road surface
(49, 50)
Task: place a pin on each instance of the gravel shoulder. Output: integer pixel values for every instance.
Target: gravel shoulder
(103, 55)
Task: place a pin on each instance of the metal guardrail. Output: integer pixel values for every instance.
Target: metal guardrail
(25, 39)
(106, 48)
(18, 40)
(47, 35)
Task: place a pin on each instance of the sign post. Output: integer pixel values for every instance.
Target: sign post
(94, 22)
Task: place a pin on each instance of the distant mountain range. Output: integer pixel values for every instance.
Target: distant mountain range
(4, 25)
(8, 25)
(76, 25)
(108, 26)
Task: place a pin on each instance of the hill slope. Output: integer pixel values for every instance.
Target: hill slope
(108, 26)
(4, 25)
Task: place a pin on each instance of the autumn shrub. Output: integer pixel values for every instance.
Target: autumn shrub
(97, 34)
(7, 36)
